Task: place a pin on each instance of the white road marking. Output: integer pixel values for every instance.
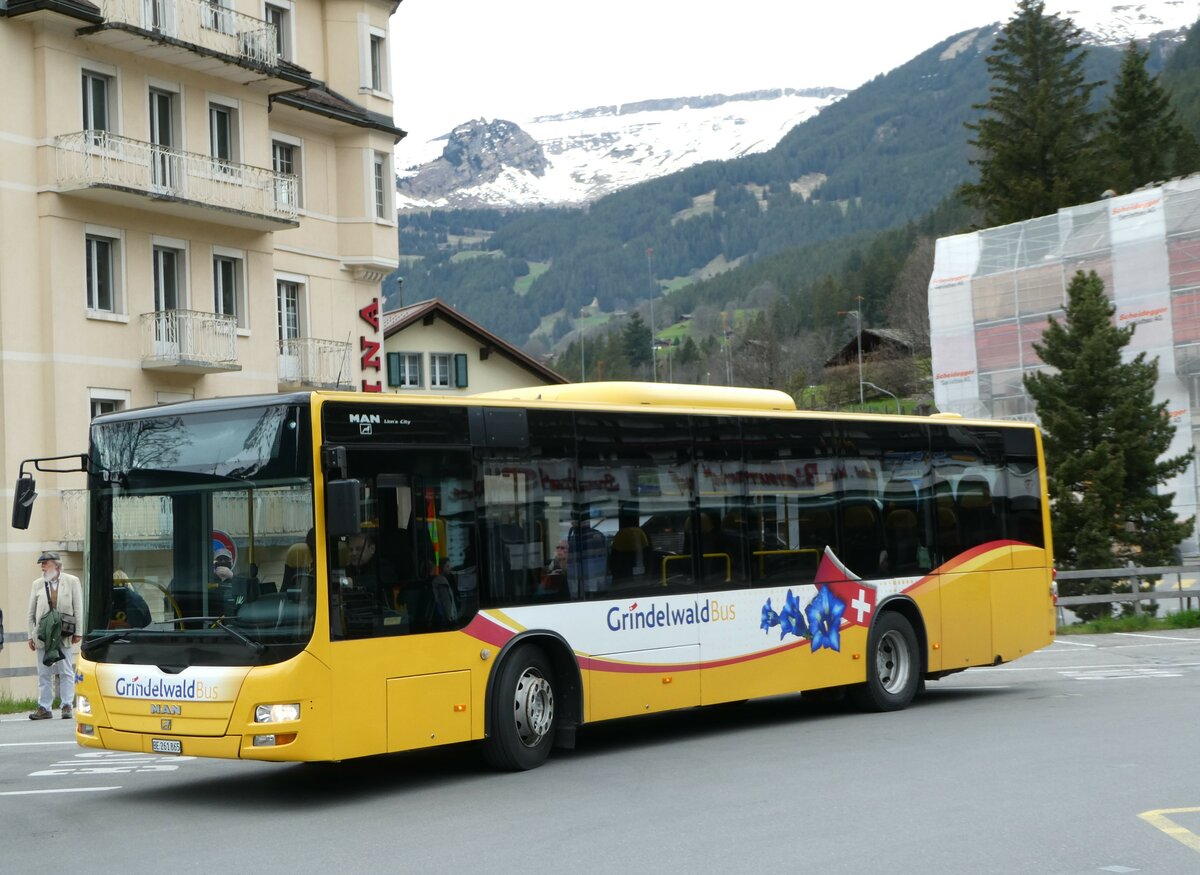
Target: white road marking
(62, 790)
(33, 743)
(1072, 643)
(1155, 637)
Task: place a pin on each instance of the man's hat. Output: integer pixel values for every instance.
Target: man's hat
(49, 554)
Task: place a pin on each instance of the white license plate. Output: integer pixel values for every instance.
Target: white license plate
(166, 745)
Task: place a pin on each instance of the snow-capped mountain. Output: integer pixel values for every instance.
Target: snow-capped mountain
(576, 157)
(1116, 25)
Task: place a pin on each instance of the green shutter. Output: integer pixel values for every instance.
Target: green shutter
(460, 370)
(393, 369)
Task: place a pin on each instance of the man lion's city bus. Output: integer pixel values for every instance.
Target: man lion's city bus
(323, 575)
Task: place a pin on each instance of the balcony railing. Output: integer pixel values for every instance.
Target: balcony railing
(98, 158)
(309, 361)
(203, 23)
(189, 341)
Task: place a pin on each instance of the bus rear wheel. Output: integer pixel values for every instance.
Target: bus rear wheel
(522, 712)
(893, 666)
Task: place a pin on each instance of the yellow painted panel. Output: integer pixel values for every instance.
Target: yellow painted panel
(788, 670)
(1023, 617)
(428, 709)
(626, 688)
(966, 619)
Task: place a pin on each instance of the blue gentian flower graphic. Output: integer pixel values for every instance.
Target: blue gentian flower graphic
(769, 617)
(791, 621)
(824, 618)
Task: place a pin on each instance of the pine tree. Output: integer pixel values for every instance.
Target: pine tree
(1141, 138)
(1036, 138)
(635, 341)
(1104, 441)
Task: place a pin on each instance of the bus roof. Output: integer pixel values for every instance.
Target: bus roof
(650, 394)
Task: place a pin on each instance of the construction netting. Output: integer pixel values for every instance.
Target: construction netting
(993, 292)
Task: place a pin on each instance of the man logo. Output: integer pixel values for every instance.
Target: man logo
(365, 417)
(365, 428)
(166, 709)
(164, 724)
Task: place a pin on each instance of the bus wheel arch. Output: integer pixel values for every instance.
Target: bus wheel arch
(896, 661)
(533, 701)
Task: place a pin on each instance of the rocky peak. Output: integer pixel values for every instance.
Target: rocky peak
(477, 152)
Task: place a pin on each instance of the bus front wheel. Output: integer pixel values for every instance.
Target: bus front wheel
(522, 712)
(893, 666)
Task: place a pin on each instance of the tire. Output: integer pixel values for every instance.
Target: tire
(893, 666)
(522, 712)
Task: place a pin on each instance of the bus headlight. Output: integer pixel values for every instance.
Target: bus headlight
(277, 713)
(83, 705)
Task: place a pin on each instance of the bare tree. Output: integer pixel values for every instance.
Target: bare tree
(908, 306)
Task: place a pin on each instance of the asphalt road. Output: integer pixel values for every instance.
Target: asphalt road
(1079, 759)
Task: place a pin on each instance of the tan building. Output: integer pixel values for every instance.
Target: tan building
(431, 347)
(196, 199)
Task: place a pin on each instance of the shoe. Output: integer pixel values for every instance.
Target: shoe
(66, 712)
(41, 714)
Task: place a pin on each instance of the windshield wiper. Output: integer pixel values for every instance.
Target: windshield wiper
(217, 622)
(91, 644)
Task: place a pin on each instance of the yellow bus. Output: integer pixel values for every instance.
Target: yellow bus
(323, 575)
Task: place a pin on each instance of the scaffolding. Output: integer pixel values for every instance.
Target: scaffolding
(994, 291)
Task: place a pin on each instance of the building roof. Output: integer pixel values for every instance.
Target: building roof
(322, 100)
(80, 9)
(395, 321)
(873, 340)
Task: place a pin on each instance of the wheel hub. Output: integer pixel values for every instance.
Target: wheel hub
(533, 707)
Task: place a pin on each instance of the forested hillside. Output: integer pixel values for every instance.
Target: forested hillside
(795, 229)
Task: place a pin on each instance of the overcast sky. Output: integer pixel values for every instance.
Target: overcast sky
(455, 60)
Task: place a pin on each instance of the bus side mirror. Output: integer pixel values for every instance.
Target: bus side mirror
(343, 508)
(23, 497)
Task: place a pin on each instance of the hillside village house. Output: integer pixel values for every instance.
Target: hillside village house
(196, 199)
(431, 347)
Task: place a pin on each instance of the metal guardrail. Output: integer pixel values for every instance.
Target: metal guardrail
(1135, 574)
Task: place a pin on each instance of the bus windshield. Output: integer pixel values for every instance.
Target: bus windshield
(201, 544)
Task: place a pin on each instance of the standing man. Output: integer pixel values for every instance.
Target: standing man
(64, 593)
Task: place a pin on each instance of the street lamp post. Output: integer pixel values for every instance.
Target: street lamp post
(883, 390)
(858, 324)
(650, 274)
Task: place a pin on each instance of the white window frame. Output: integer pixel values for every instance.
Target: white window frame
(439, 361)
(120, 398)
(375, 62)
(286, 35)
(301, 283)
(240, 309)
(381, 188)
(296, 144)
(180, 247)
(111, 93)
(218, 103)
(408, 379)
(117, 267)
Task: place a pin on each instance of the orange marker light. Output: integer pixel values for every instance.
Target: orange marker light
(459, 708)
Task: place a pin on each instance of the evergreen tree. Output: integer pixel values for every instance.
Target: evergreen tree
(1036, 138)
(635, 341)
(1142, 140)
(1104, 439)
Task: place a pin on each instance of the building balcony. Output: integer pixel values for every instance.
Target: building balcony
(127, 172)
(313, 363)
(189, 341)
(198, 35)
